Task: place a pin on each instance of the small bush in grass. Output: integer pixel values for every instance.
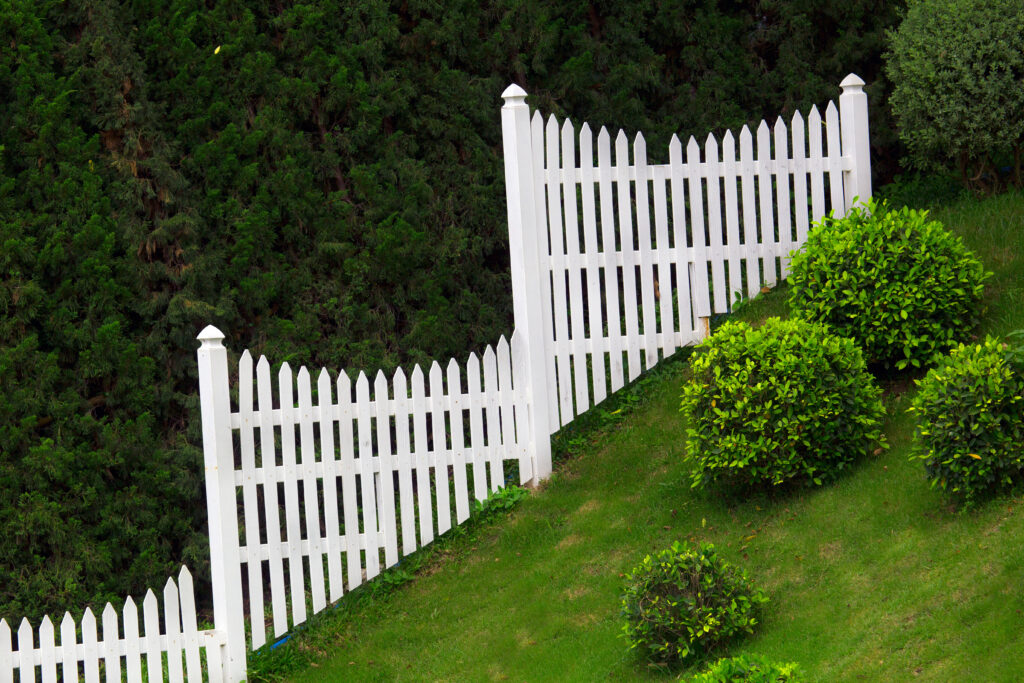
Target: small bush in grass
(748, 669)
(903, 287)
(686, 601)
(970, 421)
(786, 402)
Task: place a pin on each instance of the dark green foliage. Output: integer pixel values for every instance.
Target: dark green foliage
(321, 180)
(785, 402)
(748, 669)
(970, 420)
(685, 602)
(903, 287)
(957, 68)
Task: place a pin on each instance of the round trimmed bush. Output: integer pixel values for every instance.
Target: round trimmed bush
(970, 421)
(785, 402)
(748, 669)
(900, 285)
(957, 68)
(686, 601)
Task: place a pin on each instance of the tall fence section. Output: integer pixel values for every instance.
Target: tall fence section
(314, 486)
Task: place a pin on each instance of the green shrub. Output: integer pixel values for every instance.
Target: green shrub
(970, 421)
(748, 669)
(686, 601)
(788, 401)
(903, 287)
(957, 67)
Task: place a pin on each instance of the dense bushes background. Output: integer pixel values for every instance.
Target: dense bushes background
(326, 188)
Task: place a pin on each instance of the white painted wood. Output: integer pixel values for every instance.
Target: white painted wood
(328, 456)
(249, 497)
(664, 256)
(109, 646)
(766, 200)
(438, 402)
(542, 272)
(366, 476)
(800, 206)
(511, 356)
(610, 251)
(477, 452)
(271, 504)
(347, 451)
(133, 642)
(751, 251)
(853, 112)
(495, 443)
(90, 647)
(172, 625)
(716, 245)
(419, 411)
(702, 299)
(730, 172)
(782, 196)
(403, 450)
(151, 619)
(296, 573)
(6, 653)
(834, 161)
(26, 648)
(556, 237)
(47, 652)
(683, 252)
(189, 626)
(68, 648)
(575, 262)
(310, 498)
(629, 255)
(816, 164)
(388, 465)
(645, 249)
(455, 406)
(594, 263)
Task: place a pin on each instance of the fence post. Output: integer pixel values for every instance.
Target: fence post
(524, 239)
(853, 125)
(219, 460)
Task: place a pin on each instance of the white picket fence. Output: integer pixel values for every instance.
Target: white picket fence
(124, 652)
(615, 262)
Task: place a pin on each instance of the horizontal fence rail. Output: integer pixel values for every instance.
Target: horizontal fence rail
(154, 649)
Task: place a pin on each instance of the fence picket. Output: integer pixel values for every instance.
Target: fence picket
(291, 495)
(702, 304)
(716, 246)
(441, 457)
(386, 478)
(90, 648)
(515, 355)
(558, 271)
(133, 642)
(367, 475)
(108, 646)
(26, 647)
(48, 652)
(249, 498)
(172, 624)
(151, 618)
(683, 250)
(613, 318)
(834, 159)
(816, 164)
(68, 648)
(782, 194)
(733, 249)
(189, 627)
(477, 451)
(329, 460)
(495, 442)
(750, 241)
(349, 494)
(6, 653)
(455, 404)
(310, 498)
(767, 241)
(538, 155)
(404, 457)
(799, 179)
(419, 411)
(663, 283)
(629, 255)
(271, 507)
(645, 250)
(595, 262)
(575, 262)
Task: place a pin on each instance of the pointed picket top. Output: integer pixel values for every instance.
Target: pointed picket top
(170, 587)
(46, 626)
(780, 126)
(108, 613)
(417, 374)
(513, 95)
(814, 117)
(344, 385)
(503, 345)
(210, 336)
(692, 151)
(246, 357)
(798, 118)
(286, 370)
(149, 602)
(25, 634)
(89, 620)
(763, 127)
(303, 374)
(380, 386)
(453, 366)
(567, 127)
(185, 580)
(5, 632)
(711, 144)
(537, 120)
(675, 145)
(639, 143)
(129, 607)
(401, 385)
(262, 364)
(852, 83)
(621, 139)
(603, 138)
(745, 133)
(435, 368)
(323, 376)
(585, 133)
(728, 139)
(473, 364)
(67, 622)
(362, 385)
(831, 109)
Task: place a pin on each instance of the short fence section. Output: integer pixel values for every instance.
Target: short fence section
(123, 651)
(338, 479)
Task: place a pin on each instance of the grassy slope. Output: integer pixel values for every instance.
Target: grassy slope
(873, 578)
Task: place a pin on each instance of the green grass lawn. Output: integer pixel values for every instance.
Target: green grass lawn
(873, 578)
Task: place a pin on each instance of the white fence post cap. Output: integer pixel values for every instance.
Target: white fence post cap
(852, 83)
(210, 335)
(513, 93)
